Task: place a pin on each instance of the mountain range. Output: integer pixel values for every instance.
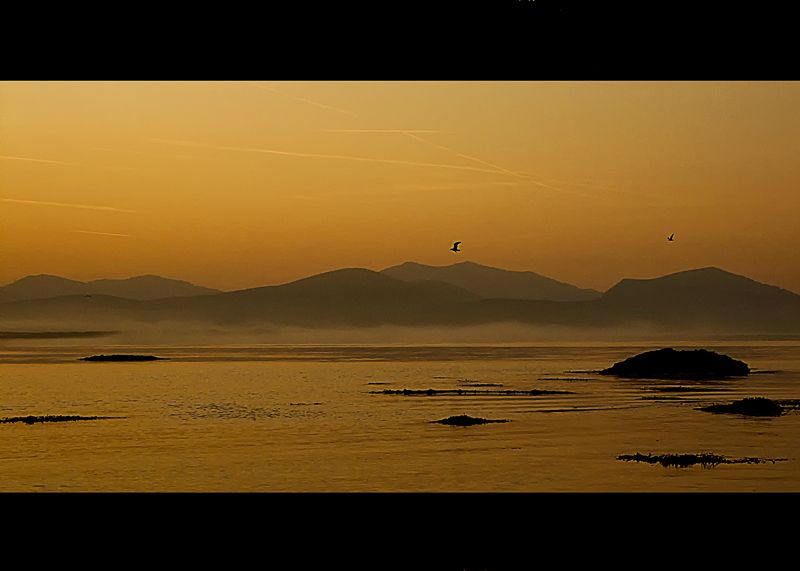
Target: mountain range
(708, 299)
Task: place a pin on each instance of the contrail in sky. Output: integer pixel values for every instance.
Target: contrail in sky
(34, 160)
(301, 99)
(89, 206)
(340, 157)
(101, 233)
(411, 133)
(408, 132)
(378, 131)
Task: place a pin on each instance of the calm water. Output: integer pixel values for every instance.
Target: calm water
(303, 418)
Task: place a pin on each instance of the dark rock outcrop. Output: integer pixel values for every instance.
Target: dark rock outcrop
(758, 406)
(464, 420)
(122, 358)
(671, 364)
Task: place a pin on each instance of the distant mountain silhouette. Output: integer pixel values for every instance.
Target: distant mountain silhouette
(705, 296)
(490, 282)
(702, 300)
(352, 297)
(140, 287)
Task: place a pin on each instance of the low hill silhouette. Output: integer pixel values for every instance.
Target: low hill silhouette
(139, 287)
(491, 282)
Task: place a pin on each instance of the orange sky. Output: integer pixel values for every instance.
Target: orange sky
(242, 184)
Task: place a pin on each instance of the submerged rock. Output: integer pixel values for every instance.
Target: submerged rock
(122, 358)
(669, 364)
(464, 420)
(758, 406)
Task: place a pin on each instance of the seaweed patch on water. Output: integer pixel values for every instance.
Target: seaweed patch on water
(465, 420)
(32, 419)
(466, 392)
(789, 404)
(706, 460)
(232, 411)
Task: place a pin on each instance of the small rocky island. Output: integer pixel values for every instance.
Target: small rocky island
(465, 420)
(672, 364)
(122, 358)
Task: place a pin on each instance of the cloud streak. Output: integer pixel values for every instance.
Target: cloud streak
(34, 160)
(338, 157)
(302, 99)
(378, 131)
(408, 132)
(413, 136)
(498, 169)
(46, 203)
(102, 233)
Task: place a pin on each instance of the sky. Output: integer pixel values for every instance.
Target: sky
(234, 185)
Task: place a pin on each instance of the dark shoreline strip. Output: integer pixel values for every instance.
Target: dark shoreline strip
(53, 334)
(52, 418)
(465, 392)
(122, 358)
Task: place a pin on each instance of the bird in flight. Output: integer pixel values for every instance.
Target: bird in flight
(455, 247)
(670, 237)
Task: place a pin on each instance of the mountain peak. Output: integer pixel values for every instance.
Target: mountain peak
(489, 282)
(700, 283)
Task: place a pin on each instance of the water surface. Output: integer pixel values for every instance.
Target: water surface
(306, 418)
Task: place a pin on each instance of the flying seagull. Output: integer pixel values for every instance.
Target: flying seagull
(670, 238)
(455, 247)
